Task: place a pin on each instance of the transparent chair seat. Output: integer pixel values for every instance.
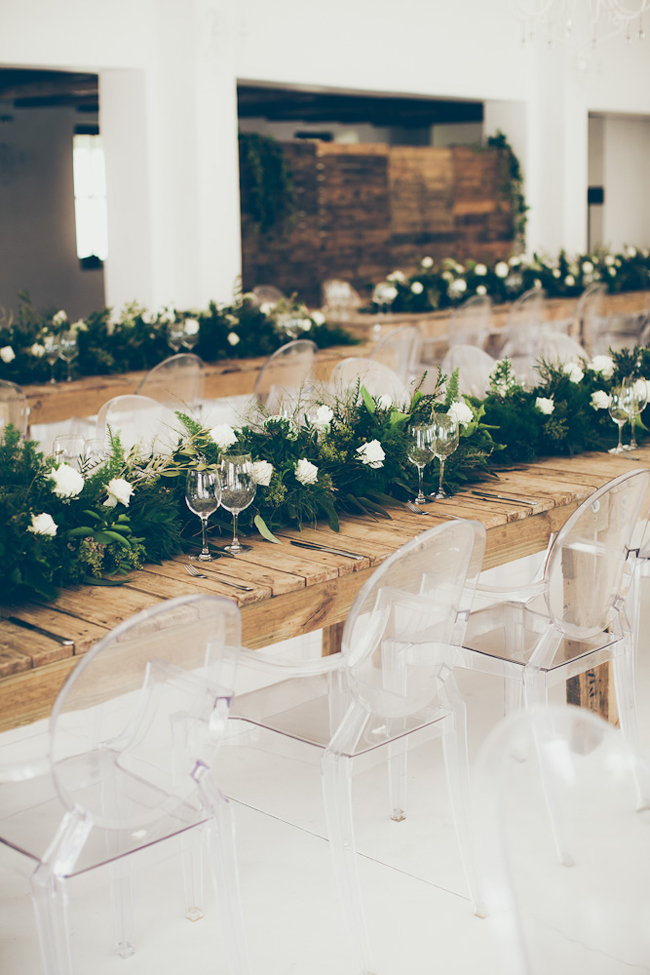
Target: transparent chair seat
(14, 408)
(178, 382)
(399, 351)
(474, 369)
(471, 321)
(524, 325)
(284, 376)
(378, 378)
(141, 421)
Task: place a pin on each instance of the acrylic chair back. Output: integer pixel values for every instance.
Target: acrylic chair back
(556, 347)
(585, 579)
(339, 298)
(524, 323)
(409, 618)
(590, 309)
(13, 407)
(285, 374)
(564, 772)
(474, 368)
(470, 323)
(267, 294)
(378, 378)
(178, 382)
(399, 350)
(143, 711)
(139, 420)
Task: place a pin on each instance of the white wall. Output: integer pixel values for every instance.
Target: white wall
(37, 227)
(185, 241)
(626, 165)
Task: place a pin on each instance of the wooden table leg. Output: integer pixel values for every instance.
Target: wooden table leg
(332, 636)
(595, 690)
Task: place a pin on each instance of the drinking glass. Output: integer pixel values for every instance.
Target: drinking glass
(52, 353)
(68, 448)
(237, 492)
(445, 441)
(620, 410)
(175, 336)
(420, 452)
(202, 496)
(190, 338)
(638, 401)
(69, 350)
(94, 453)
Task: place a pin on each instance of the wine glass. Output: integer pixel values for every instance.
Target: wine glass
(638, 400)
(68, 448)
(445, 441)
(175, 336)
(202, 496)
(69, 350)
(52, 353)
(94, 453)
(237, 492)
(620, 410)
(191, 330)
(420, 452)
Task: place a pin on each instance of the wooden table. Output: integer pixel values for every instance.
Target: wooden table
(296, 591)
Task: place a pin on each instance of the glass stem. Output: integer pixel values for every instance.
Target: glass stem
(420, 493)
(633, 443)
(442, 473)
(205, 550)
(620, 435)
(52, 379)
(235, 540)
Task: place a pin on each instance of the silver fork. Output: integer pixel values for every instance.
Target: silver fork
(417, 510)
(191, 570)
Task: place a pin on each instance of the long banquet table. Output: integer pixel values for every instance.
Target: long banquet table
(296, 591)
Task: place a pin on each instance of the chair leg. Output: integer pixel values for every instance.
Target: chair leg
(337, 794)
(625, 685)
(192, 854)
(121, 872)
(397, 768)
(512, 693)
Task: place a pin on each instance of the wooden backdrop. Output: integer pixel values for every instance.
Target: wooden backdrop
(364, 210)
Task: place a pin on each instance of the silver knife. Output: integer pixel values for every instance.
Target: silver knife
(505, 497)
(331, 551)
(64, 641)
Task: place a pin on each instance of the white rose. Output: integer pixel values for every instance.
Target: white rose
(609, 260)
(604, 364)
(427, 262)
(642, 388)
(384, 402)
(118, 489)
(417, 287)
(305, 324)
(323, 416)
(481, 290)
(396, 276)
(267, 307)
(544, 405)
(461, 413)
(515, 260)
(37, 350)
(318, 318)
(501, 269)
(60, 318)
(79, 326)
(68, 482)
(306, 472)
(447, 275)
(537, 284)
(223, 435)
(569, 280)
(480, 269)
(630, 251)
(611, 271)
(587, 267)
(7, 354)
(573, 371)
(261, 472)
(43, 525)
(233, 338)
(556, 272)
(600, 399)
(372, 454)
(191, 326)
(459, 286)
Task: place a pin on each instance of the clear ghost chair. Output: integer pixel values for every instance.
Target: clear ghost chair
(524, 324)
(133, 740)
(13, 407)
(284, 376)
(267, 294)
(139, 420)
(554, 347)
(339, 299)
(564, 774)
(590, 312)
(571, 618)
(474, 369)
(470, 323)
(178, 382)
(399, 350)
(399, 645)
(379, 379)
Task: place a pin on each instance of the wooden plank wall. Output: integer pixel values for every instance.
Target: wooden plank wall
(364, 210)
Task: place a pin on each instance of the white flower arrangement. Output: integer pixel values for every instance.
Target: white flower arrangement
(573, 372)
(458, 287)
(118, 489)
(318, 318)
(426, 262)
(481, 290)
(43, 524)
(372, 454)
(37, 350)
(7, 354)
(501, 269)
(261, 472)
(396, 276)
(545, 405)
(60, 318)
(461, 412)
(306, 472)
(233, 338)
(602, 364)
(417, 287)
(600, 400)
(223, 435)
(323, 416)
(68, 482)
(191, 326)
(481, 270)
(587, 267)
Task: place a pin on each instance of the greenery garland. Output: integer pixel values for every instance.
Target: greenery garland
(137, 339)
(347, 455)
(265, 183)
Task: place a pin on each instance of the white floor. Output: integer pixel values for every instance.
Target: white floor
(420, 918)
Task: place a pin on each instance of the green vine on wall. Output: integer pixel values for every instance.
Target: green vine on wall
(266, 187)
(514, 187)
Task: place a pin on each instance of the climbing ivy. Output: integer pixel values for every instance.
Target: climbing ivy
(265, 182)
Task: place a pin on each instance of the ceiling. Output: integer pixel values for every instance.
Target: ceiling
(300, 105)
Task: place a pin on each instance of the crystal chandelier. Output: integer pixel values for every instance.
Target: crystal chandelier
(583, 24)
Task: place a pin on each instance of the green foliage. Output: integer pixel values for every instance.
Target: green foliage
(266, 186)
